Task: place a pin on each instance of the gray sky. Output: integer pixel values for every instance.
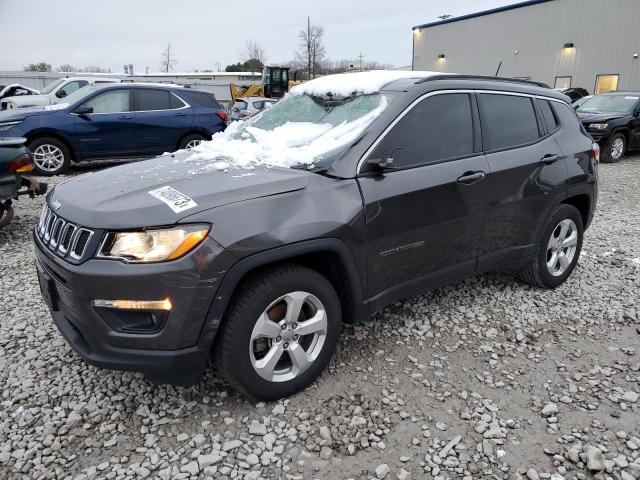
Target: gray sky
(110, 33)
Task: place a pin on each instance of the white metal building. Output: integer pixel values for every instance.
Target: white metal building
(593, 44)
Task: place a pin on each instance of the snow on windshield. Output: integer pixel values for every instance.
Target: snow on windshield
(299, 130)
(56, 106)
(345, 84)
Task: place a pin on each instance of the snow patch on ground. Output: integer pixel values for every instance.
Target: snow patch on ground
(345, 84)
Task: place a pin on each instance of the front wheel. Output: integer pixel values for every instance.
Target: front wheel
(615, 149)
(50, 156)
(557, 251)
(280, 332)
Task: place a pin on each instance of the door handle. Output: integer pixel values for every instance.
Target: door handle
(126, 117)
(471, 177)
(180, 114)
(549, 159)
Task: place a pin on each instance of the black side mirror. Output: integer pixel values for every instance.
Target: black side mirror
(380, 164)
(83, 110)
(61, 93)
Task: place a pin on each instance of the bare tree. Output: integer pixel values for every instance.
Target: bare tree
(168, 59)
(253, 51)
(253, 56)
(311, 51)
(67, 68)
(38, 67)
(94, 69)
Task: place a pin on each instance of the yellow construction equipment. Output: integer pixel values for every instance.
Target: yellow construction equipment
(275, 83)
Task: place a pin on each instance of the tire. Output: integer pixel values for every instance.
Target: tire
(239, 347)
(193, 139)
(538, 272)
(50, 156)
(615, 149)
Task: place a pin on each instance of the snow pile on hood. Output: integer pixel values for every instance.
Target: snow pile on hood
(345, 84)
(293, 143)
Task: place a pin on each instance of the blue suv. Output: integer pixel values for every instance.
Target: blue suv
(115, 121)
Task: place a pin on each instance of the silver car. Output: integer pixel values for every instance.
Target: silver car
(248, 107)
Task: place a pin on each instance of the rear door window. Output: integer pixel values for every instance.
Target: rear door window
(548, 115)
(149, 100)
(508, 121)
(439, 128)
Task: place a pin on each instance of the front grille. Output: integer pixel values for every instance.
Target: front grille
(62, 237)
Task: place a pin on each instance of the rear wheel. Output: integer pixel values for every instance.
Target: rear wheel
(191, 141)
(50, 156)
(615, 149)
(557, 251)
(279, 333)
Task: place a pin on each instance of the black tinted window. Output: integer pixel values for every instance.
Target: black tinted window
(153, 100)
(204, 99)
(507, 121)
(438, 128)
(175, 102)
(548, 115)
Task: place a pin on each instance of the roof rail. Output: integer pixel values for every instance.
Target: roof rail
(482, 77)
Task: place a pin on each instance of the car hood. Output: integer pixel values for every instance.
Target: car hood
(119, 197)
(19, 114)
(598, 117)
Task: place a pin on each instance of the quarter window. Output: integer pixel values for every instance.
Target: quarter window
(548, 115)
(438, 128)
(507, 121)
(113, 101)
(153, 100)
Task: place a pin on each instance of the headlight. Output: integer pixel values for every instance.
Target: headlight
(7, 126)
(599, 126)
(154, 245)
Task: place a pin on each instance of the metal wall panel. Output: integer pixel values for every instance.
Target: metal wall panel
(604, 34)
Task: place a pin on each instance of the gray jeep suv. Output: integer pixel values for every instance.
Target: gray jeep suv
(349, 194)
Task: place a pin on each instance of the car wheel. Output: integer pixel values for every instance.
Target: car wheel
(557, 251)
(279, 333)
(191, 141)
(50, 156)
(615, 149)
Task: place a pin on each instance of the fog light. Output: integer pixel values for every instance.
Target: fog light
(134, 304)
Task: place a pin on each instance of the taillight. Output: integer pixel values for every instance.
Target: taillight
(21, 164)
(596, 151)
(224, 116)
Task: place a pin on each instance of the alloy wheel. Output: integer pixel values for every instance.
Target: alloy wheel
(562, 247)
(48, 158)
(617, 148)
(288, 336)
(192, 143)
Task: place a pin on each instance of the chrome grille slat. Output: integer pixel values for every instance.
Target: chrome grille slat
(61, 237)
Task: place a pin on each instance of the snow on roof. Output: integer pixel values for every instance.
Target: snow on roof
(345, 84)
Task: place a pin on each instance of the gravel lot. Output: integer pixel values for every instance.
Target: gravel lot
(485, 379)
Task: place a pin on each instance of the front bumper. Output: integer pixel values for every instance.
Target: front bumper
(177, 352)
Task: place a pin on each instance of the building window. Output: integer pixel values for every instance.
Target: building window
(606, 83)
(562, 83)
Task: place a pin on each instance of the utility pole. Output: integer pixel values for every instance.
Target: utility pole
(309, 46)
(360, 59)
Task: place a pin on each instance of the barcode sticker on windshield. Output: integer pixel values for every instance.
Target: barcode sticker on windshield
(177, 201)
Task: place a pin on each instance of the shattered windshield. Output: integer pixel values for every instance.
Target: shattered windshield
(299, 130)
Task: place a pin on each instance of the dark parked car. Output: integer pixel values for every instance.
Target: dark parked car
(422, 181)
(114, 121)
(613, 120)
